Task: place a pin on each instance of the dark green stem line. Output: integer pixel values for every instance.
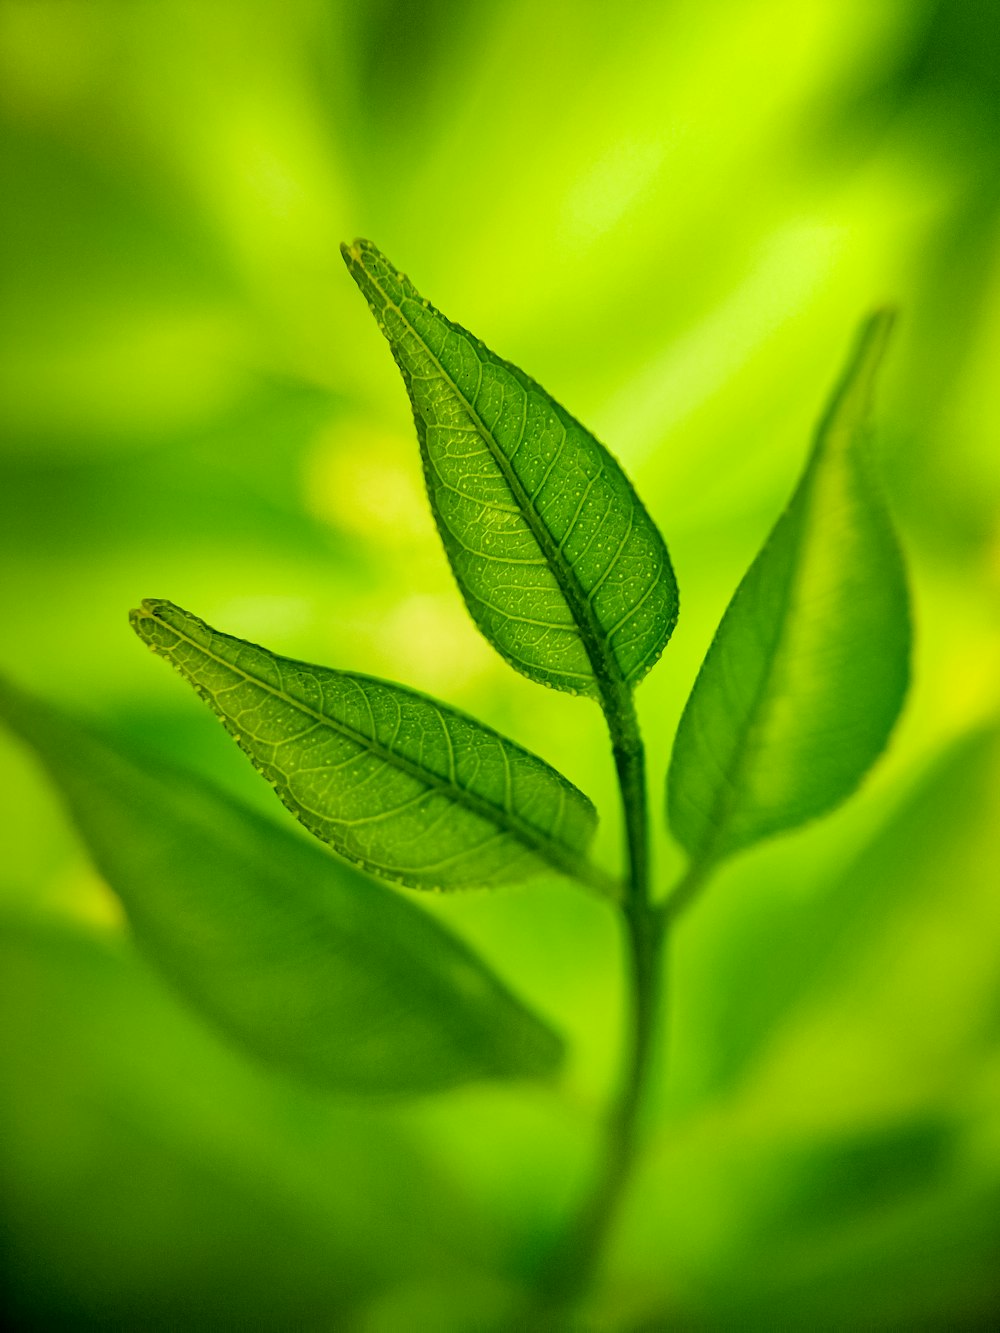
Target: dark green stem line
(576, 1260)
(630, 762)
(646, 929)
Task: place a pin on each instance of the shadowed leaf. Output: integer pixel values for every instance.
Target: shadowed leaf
(154, 1178)
(305, 962)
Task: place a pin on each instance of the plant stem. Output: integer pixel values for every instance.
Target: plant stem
(630, 762)
(646, 927)
(575, 1261)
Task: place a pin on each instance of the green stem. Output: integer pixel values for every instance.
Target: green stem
(646, 930)
(630, 762)
(575, 1262)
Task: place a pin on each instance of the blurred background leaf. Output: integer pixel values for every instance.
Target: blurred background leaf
(151, 1176)
(301, 961)
(673, 216)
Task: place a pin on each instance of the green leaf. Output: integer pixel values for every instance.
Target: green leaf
(809, 667)
(392, 780)
(306, 963)
(192, 1188)
(560, 565)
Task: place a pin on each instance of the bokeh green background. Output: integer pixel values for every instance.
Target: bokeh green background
(673, 214)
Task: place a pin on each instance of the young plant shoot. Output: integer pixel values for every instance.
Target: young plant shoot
(316, 969)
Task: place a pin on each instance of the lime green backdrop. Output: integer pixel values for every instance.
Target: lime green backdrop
(673, 215)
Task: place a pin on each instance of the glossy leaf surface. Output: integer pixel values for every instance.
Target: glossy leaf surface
(393, 780)
(306, 963)
(560, 565)
(808, 669)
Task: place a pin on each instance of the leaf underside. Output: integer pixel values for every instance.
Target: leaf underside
(560, 565)
(307, 964)
(394, 781)
(808, 670)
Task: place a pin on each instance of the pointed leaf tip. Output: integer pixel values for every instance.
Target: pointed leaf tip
(560, 565)
(302, 961)
(851, 400)
(809, 667)
(400, 784)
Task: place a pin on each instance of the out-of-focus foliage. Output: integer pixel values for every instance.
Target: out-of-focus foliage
(306, 964)
(673, 215)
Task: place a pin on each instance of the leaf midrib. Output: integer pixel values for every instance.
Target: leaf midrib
(603, 664)
(557, 854)
(838, 420)
(760, 706)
